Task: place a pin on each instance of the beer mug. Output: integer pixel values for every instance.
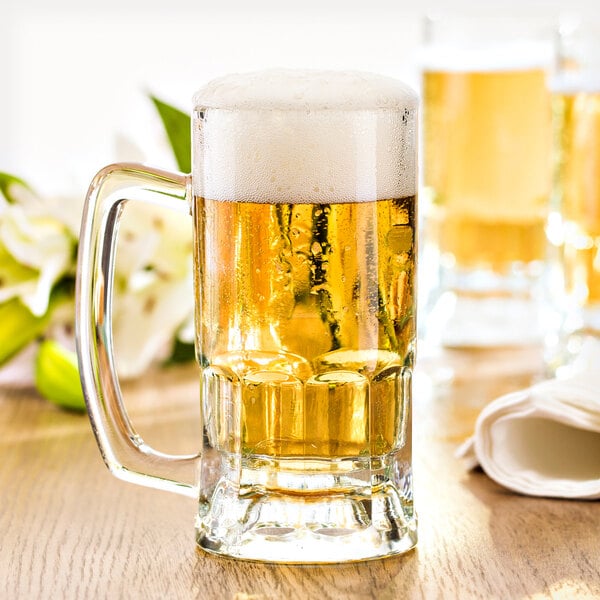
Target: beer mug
(302, 197)
(487, 176)
(576, 110)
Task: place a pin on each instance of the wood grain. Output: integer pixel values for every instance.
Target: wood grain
(68, 529)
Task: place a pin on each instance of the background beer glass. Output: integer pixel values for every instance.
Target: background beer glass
(303, 204)
(576, 110)
(487, 178)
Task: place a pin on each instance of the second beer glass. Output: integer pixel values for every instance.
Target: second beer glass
(486, 169)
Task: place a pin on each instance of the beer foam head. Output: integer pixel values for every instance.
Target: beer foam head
(287, 89)
(587, 82)
(484, 57)
(305, 136)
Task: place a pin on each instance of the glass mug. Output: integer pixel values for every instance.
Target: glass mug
(486, 171)
(302, 196)
(576, 112)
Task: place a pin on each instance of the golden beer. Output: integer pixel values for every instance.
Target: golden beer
(487, 143)
(307, 322)
(577, 115)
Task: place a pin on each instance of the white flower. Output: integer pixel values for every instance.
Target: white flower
(154, 295)
(36, 250)
(153, 288)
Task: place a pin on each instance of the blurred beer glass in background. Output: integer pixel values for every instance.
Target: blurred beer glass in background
(576, 112)
(487, 178)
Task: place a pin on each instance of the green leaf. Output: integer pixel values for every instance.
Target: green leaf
(13, 272)
(6, 181)
(178, 127)
(18, 328)
(181, 352)
(57, 376)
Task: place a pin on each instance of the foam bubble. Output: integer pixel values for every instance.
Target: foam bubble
(305, 136)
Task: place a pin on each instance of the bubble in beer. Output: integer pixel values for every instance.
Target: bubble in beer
(284, 136)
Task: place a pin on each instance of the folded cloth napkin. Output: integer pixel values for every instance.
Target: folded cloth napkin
(545, 440)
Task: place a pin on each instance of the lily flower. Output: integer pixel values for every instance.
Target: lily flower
(154, 295)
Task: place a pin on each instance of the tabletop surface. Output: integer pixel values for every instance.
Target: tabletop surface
(68, 529)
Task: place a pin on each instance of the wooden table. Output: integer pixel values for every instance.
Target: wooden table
(68, 529)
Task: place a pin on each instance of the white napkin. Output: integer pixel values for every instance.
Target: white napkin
(545, 440)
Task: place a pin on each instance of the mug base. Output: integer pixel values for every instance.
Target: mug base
(480, 309)
(314, 552)
(281, 529)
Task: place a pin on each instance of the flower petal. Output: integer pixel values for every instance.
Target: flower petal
(145, 322)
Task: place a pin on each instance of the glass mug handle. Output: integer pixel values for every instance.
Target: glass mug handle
(125, 453)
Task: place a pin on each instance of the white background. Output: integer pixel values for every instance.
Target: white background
(74, 75)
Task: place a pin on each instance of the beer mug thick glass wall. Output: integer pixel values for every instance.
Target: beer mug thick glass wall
(487, 174)
(302, 198)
